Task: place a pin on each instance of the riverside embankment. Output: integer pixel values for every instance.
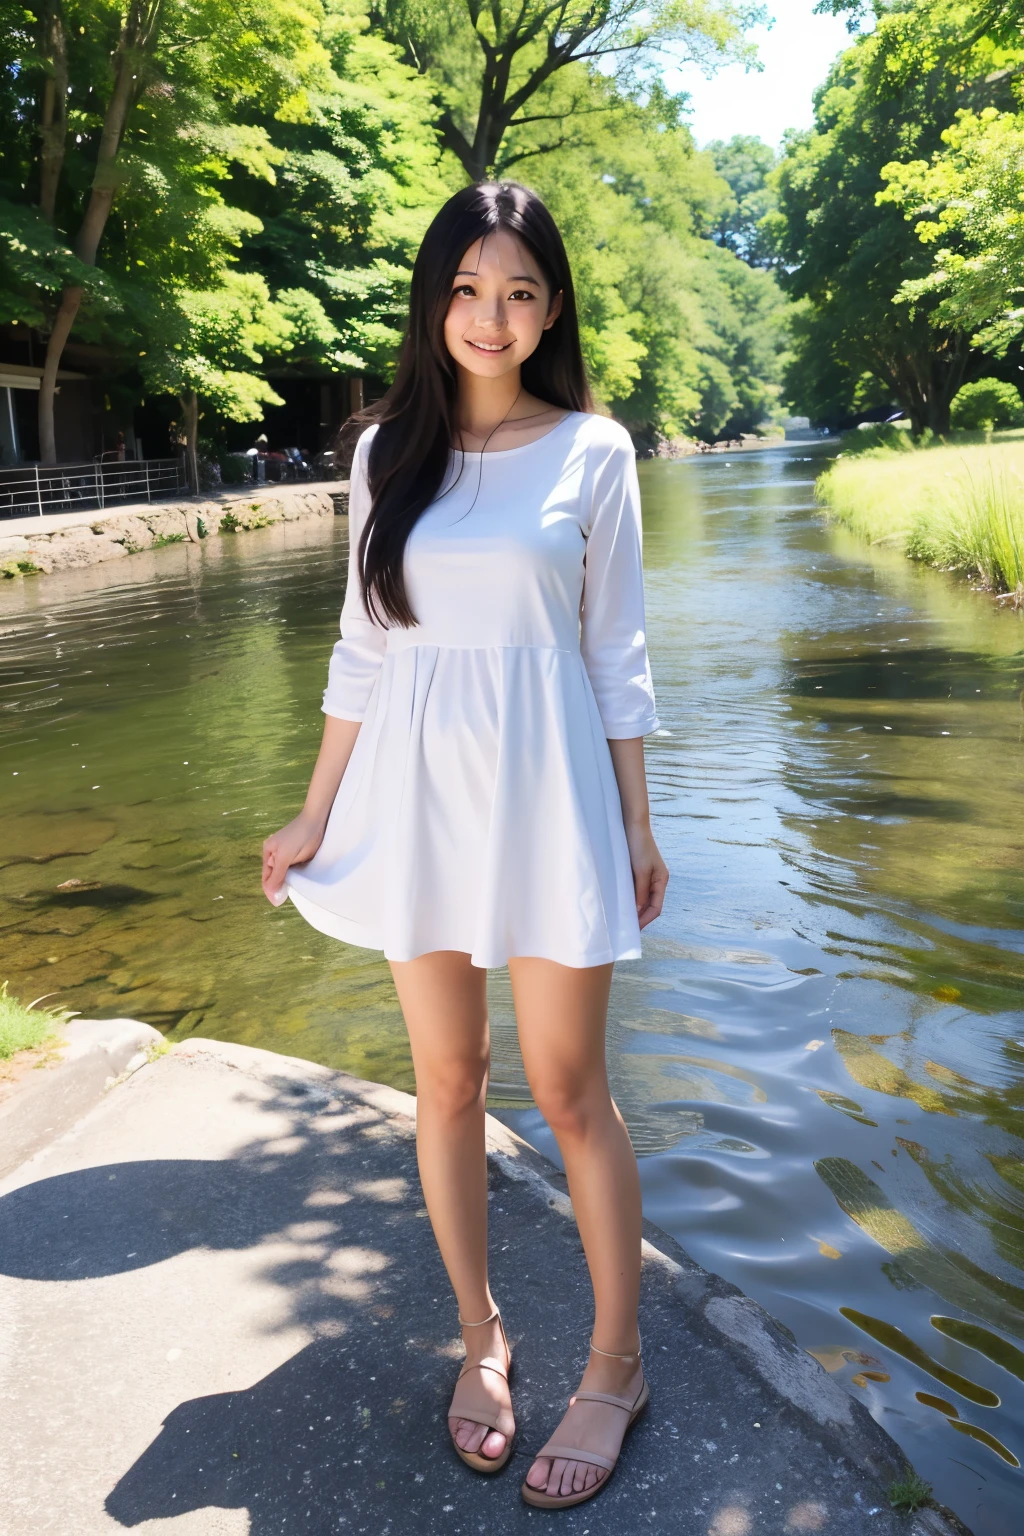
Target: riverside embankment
(817, 1057)
(959, 507)
(223, 1312)
(67, 541)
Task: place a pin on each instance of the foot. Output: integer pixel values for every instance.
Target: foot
(482, 1389)
(597, 1427)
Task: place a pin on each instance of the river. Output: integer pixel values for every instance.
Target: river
(820, 1056)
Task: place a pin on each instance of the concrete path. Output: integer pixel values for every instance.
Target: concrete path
(222, 1311)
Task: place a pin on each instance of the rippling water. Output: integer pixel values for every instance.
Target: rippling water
(821, 1055)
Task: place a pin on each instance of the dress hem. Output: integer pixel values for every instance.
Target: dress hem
(334, 926)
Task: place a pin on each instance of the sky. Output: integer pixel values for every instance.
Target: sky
(796, 52)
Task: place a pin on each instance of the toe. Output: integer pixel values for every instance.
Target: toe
(537, 1477)
(492, 1445)
(467, 1435)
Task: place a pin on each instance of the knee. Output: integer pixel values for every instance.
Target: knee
(454, 1090)
(573, 1110)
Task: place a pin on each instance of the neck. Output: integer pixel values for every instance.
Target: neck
(485, 402)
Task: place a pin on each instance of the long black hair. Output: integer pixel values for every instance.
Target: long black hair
(409, 454)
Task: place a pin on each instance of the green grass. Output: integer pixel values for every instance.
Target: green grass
(909, 1493)
(167, 538)
(958, 507)
(24, 1027)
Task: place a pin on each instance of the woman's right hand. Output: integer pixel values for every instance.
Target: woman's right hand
(294, 844)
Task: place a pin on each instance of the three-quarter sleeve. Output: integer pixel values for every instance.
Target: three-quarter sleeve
(613, 636)
(356, 659)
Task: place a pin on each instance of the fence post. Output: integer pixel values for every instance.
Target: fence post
(39, 494)
(148, 496)
(99, 483)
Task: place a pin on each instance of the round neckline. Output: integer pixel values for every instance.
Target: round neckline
(503, 453)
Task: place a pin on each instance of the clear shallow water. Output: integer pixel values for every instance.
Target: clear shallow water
(821, 1055)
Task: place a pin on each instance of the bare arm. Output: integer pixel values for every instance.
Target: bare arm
(301, 838)
(650, 873)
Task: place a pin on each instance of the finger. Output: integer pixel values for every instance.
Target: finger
(273, 878)
(642, 887)
(655, 902)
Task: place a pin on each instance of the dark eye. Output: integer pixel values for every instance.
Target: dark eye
(522, 293)
(464, 290)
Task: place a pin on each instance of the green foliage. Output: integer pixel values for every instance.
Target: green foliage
(745, 163)
(968, 203)
(509, 76)
(909, 1493)
(884, 437)
(840, 226)
(987, 404)
(234, 468)
(279, 164)
(956, 508)
(24, 1027)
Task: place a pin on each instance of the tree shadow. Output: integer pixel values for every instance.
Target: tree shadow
(350, 1431)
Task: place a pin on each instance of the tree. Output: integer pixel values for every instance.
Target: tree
(967, 204)
(494, 64)
(148, 87)
(681, 337)
(745, 162)
(887, 98)
(203, 343)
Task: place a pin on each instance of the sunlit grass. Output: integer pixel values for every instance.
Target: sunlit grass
(26, 1026)
(960, 508)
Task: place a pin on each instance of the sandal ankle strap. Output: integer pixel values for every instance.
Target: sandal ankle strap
(483, 1321)
(608, 1354)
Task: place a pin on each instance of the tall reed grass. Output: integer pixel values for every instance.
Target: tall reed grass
(960, 508)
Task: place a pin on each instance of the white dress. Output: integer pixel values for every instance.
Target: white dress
(479, 810)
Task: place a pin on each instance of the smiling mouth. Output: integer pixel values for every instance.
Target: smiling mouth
(490, 346)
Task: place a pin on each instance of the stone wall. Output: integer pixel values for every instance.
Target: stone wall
(114, 535)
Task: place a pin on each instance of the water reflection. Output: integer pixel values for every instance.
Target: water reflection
(821, 1055)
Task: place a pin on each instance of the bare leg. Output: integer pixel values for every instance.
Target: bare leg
(562, 1014)
(444, 1000)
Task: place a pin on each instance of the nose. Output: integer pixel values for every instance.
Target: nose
(492, 314)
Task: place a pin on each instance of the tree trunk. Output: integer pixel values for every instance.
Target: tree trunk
(190, 424)
(137, 37)
(70, 302)
(54, 126)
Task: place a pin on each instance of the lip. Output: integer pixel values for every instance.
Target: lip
(489, 349)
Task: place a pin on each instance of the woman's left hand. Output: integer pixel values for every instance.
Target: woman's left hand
(650, 872)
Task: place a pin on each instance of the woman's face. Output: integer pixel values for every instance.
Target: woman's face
(499, 307)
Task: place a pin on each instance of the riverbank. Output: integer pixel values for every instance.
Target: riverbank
(956, 507)
(33, 546)
(254, 1332)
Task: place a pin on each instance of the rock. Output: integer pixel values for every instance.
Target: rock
(126, 529)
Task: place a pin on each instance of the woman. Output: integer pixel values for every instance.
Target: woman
(479, 798)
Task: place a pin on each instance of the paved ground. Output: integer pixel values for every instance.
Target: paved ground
(221, 1311)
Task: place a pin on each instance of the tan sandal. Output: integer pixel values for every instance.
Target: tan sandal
(486, 1417)
(631, 1407)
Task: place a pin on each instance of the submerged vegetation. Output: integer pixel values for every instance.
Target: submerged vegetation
(24, 1026)
(958, 507)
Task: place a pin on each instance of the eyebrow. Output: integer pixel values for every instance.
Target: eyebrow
(520, 277)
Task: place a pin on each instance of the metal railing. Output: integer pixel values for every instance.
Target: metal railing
(29, 490)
